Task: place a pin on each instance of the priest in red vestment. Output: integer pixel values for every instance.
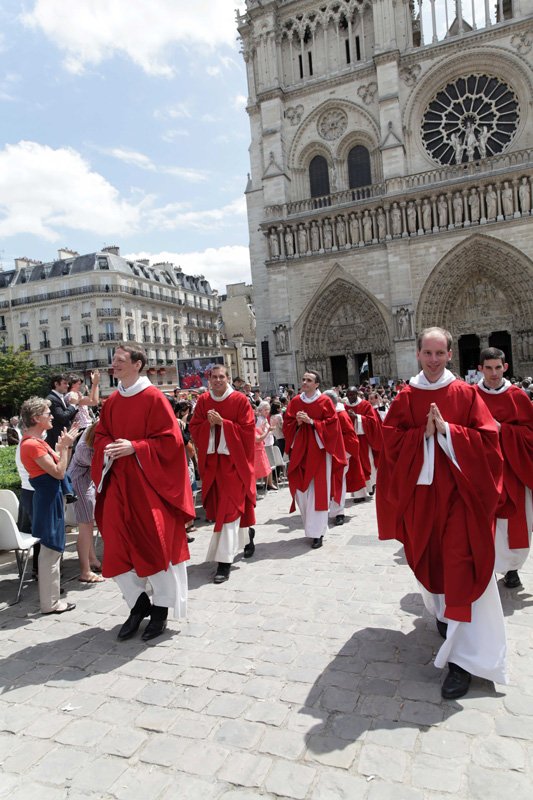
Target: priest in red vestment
(313, 440)
(223, 430)
(513, 411)
(143, 498)
(439, 482)
(367, 424)
(350, 478)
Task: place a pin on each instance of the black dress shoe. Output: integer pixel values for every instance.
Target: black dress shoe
(140, 610)
(442, 628)
(512, 579)
(157, 624)
(317, 543)
(249, 549)
(71, 498)
(222, 573)
(456, 683)
(359, 500)
(339, 519)
(190, 539)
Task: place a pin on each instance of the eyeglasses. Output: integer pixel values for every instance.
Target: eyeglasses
(46, 414)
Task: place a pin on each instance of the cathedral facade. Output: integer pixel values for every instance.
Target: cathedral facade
(391, 182)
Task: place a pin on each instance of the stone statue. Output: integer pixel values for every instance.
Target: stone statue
(482, 141)
(302, 240)
(470, 142)
(354, 229)
(274, 244)
(507, 200)
(367, 227)
(442, 208)
(315, 237)
(396, 220)
(426, 214)
(473, 202)
(382, 224)
(457, 147)
(411, 217)
(341, 232)
(524, 193)
(403, 323)
(490, 200)
(328, 235)
(281, 339)
(289, 242)
(457, 209)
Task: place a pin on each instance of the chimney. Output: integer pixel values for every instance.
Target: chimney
(22, 262)
(114, 249)
(65, 253)
(144, 261)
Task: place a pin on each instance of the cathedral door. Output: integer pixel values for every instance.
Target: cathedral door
(339, 371)
(502, 340)
(468, 353)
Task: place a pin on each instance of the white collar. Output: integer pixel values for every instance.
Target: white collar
(340, 407)
(227, 393)
(352, 405)
(139, 386)
(500, 390)
(312, 399)
(421, 382)
(61, 396)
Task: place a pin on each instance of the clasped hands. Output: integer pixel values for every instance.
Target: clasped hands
(303, 416)
(119, 448)
(435, 423)
(214, 417)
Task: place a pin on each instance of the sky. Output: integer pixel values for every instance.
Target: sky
(123, 122)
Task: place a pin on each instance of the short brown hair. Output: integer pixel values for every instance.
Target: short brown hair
(489, 353)
(434, 331)
(317, 376)
(136, 351)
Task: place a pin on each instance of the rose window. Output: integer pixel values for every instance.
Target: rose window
(471, 118)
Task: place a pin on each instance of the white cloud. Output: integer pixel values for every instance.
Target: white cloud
(176, 215)
(43, 190)
(172, 134)
(175, 111)
(220, 265)
(239, 101)
(91, 31)
(144, 162)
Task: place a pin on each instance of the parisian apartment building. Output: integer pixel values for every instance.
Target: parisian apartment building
(71, 313)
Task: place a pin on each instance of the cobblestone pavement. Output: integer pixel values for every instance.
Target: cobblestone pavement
(308, 675)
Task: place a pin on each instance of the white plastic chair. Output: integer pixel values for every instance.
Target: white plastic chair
(9, 501)
(279, 461)
(269, 449)
(12, 539)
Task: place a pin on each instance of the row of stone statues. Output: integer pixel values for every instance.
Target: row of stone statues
(524, 345)
(473, 206)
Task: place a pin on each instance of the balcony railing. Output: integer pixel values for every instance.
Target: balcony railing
(108, 312)
(65, 318)
(157, 339)
(66, 341)
(26, 346)
(87, 339)
(113, 336)
(86, 315)
(43, 322)
(166, 340)
(44, 345)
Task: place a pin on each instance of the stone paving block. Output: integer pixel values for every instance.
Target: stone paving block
(339, 786)
(101, 774)
(203, 760)
(436, 773)
(495, 784)
(226, 681)
(9, 784)
(245, 769)
(379, 790)
(289, 780)
(231, 706)
(267, 712)
(300, 693)
(188, 787)
(40, 790)
(421, 713)
(155, 718)
(123, 742)
(470, 721)
(383, 762)
(195, 676)
(140, 782)
(15, 718)
(262, 688)
(48, 725)
(394, 734)
(127, 688)
(237, 733)
(193, 725)
(157, 694)
(287, 744)
(195, 699)
(501, 752)
(331, 750)
(163, 750)
(445, 744)
(83, 733)
(60, 765)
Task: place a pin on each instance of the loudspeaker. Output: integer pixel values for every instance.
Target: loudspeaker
(265, 355)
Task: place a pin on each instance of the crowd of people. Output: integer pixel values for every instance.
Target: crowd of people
(450, 466)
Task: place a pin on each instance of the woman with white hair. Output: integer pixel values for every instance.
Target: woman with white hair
(263, 436)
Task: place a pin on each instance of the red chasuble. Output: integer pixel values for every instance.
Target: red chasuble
(228, 481)
(372, 424)
(514, 411)
(355, 478)
(447, 527)
(146, 498)
(307, 459)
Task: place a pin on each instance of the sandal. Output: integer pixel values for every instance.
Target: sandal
(93, 578)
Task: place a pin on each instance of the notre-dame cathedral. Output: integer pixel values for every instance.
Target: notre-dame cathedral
(391, 182)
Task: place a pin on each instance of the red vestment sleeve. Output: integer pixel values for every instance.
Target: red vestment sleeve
(355, 478)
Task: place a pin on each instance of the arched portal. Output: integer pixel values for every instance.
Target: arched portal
(345, 336)
(482, 290)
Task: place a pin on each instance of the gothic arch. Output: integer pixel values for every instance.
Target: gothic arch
(482, 285)
(344, 319)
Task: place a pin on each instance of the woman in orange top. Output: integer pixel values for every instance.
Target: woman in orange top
(46, 469)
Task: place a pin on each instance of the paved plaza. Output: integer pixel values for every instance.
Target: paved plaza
(308, 675)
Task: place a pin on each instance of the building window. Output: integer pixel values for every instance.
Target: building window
(319, 177)
(359, 173)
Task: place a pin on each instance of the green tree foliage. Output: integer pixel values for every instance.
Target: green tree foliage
(19, 379)
(9, 477)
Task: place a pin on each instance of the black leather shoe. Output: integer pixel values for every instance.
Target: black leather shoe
(71, 498)
(512, 579)
(157, 624)
(249, 549)
(456, 683)
(222, 573)
(359, 500)
(442, 628)
(317, 543)
(339, 519)
(140, 610)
